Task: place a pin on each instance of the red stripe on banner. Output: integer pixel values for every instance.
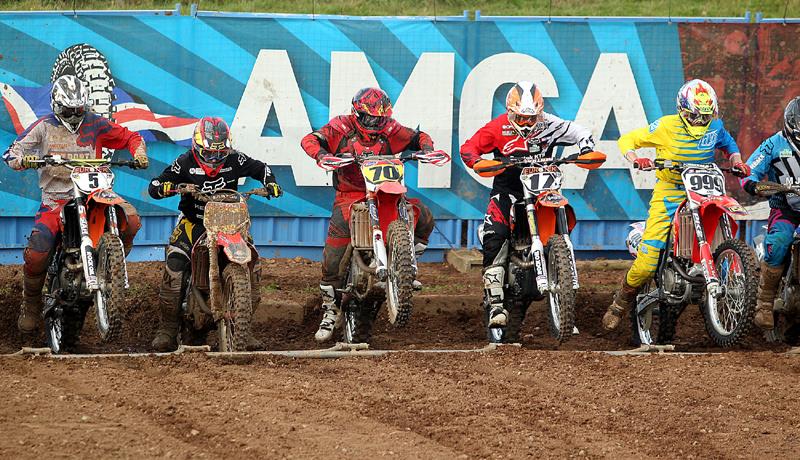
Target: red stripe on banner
(14, 117)
(134, 114)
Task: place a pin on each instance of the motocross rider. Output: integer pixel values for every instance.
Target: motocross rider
(525, 129)
(210, 164)
(777, 158)
(692, 135)
(71, 131)
(368, 130)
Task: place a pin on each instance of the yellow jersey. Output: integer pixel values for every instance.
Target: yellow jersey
(673, 141)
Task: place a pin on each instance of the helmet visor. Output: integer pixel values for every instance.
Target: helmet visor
(372, 122)
(527, 121)
(215, 156)
(697, 119)
(71, 114)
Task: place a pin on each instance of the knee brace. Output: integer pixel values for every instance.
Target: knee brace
(493, 280)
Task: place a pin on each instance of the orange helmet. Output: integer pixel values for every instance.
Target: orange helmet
(525, 105)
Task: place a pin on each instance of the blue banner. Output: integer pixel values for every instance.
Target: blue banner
(274, 80)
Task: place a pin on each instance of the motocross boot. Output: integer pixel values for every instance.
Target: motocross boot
(331, 314)
(253, 343)
(493, 280)
(767, 289)
(624, 300)
(166, 338)
(419, 249)
(30, 312)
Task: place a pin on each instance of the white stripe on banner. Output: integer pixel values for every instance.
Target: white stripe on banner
(24, 111)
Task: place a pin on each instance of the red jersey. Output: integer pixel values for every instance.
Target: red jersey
(340, 135)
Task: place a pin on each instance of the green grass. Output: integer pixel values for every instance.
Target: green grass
(770, 8)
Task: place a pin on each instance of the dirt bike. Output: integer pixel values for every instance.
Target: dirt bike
(537, 270)
(718, 275)
(380, 268)
(786, 310)
(87, 266)
(216, 293)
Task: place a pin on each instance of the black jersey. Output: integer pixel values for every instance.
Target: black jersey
(186, 170)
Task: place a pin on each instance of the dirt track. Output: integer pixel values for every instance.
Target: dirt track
(508, 403)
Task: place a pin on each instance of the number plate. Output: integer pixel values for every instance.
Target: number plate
(378, 172)
(538, 180)
(704, 181)
(90, 179)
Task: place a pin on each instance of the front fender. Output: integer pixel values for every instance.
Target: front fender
(105, 196)
(235, 247)
(727, 204)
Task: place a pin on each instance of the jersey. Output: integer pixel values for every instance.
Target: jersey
(672, 141)
(500, 139)
(48, 136)
(778, 161)
(340, 135)
(186, 170)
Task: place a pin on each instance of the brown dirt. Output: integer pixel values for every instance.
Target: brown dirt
(509, 403)
(447, 312)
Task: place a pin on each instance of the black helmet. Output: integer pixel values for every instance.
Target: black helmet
(791, 123)
(211, 141)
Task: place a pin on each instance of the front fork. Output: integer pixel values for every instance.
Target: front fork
(562, 227)
(89, 272)
(537, 248)
(706, 258)
(378, 243)
(402, 211)
(113, 227)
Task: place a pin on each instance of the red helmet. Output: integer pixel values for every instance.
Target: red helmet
(372, 109)
(211, 141)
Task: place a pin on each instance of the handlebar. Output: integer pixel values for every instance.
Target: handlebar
(530, 160)
(677, 166)
(223, 194)
(768, 188)
(57, 160)
(346, 159)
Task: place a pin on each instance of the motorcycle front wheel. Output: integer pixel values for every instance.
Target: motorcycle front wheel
(110, 297)
(234, 326)
(729, 318)
(561, 296)
(400, 281)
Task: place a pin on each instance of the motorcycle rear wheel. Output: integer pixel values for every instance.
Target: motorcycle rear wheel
(234, 326)
(729, 319)
(561, 296)
(110, 297)
(400, 281)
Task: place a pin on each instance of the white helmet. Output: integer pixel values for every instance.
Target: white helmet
(69, 101)
(634, 238)
(524, 104)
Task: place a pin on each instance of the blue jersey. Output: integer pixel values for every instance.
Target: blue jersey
(776, 160)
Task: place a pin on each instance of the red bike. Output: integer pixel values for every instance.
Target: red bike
(381, 267)
(703, 264)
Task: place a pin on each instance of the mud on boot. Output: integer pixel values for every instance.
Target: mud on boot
(767, 290)
(30, 311)
(331, 314)
(498, 316)
(624, 300)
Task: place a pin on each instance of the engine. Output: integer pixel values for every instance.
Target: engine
(676, 288)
